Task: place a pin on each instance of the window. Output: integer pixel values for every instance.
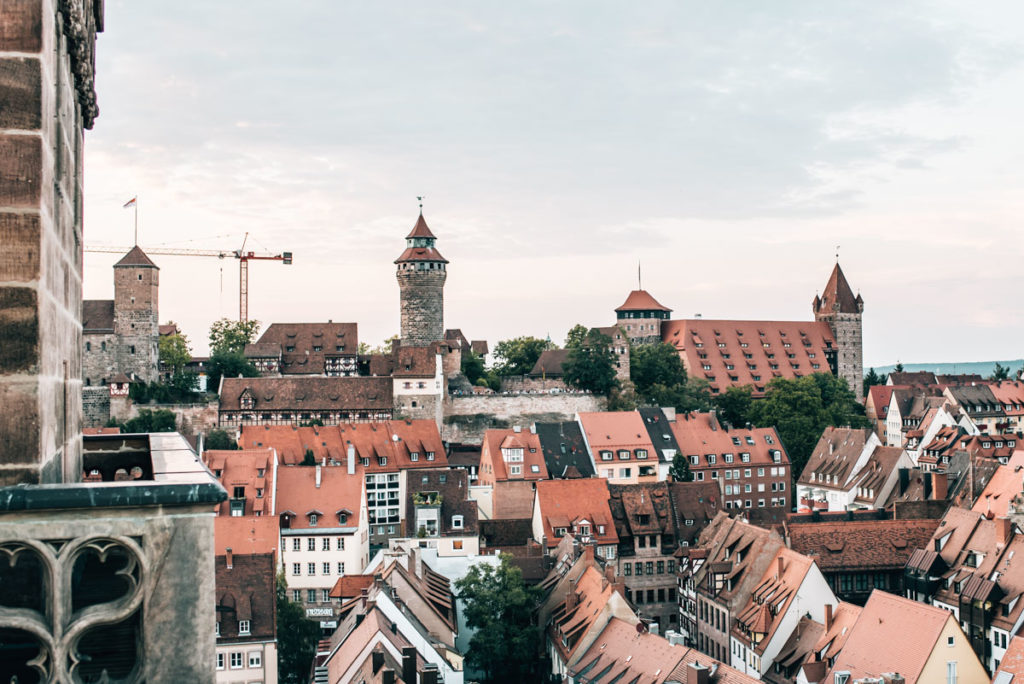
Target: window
(341, 543)
(236, 661)
(457, 522)
(516, 470)
(312, 521)
(326, 568)
(951, 672)
(728, 458)
(255, 659)
(414, 456)
(243, 627)
(296, 568)
(627, 569)
(606, 455)
(625, 472)
(311, 595)
(341, 568)
(649, 567)
(457, 544)
(639, 567)
(325, 594)
(641, 453)
(325, 544)
(623, 454)
(430, 455)
(661, 567)
(296, 544)
(311, 544)
(311, 568)
(296, 595)
(694, 460)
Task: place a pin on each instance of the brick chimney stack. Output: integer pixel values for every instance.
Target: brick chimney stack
(828, 617)
(230, 558)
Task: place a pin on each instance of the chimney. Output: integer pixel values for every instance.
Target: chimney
(364, 594)
(697, 674)
(230, 558)
(351, 460)
(928, 485)
(588, 551)
(377, 660)
(318, 477)
(904, 474)
(387, 676)
(533, 428)
(781, 565)
(940, 486)
(429, 674)
(713, 419)
(1004, 532)
(409, 664)
(517, 428)
(828, 617)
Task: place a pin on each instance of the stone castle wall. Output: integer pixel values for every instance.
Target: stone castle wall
(524, 383)
(95, 406)
(847, 328)
(46, 69)
(467, 418)
(136, 321)
(99, 358)
(422, 306)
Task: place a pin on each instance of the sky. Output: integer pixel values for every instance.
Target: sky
(725, 148)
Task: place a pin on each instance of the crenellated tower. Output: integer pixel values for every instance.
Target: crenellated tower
(843, 312)
(421, 274)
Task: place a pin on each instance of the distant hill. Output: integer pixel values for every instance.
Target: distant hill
(982, 368)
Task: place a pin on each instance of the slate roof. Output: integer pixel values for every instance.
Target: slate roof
(97, 316)
(246, 591)
(135, 257)
(453, 486)
(698, 340)
(309, 393)
(565, 451)
(838, 296)
(659, 429)
(298, 343)
(976, 399)
(549, 363)
(860, 544)
(641, 300)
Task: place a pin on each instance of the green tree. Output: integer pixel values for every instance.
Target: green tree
(160, 420)
(507, 644)
(801, 408)
(297, 638)
(680, 470)
(660, 379)
(309, 459)
(386, 346)
(591, 366)
(175, 352)
(898, 368)
(227, 335)
(472, 366)
(734, 404)
(1000, 373)
(518, 355)
(576, 335)
(872, 378)
(229, 364)
(219, 440)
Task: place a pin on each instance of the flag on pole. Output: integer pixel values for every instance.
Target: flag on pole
(131, 203)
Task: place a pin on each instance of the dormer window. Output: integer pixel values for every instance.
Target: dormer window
(246, 401)
(623, 454)
(243, 627)
(457, 522)
(414, 456)
(430, 455)
(641, 454)
(364, 461)
(312, 519)
(606, 455)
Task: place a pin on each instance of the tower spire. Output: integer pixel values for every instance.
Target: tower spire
(420, 198)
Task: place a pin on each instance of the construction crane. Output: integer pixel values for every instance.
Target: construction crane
(243, 257)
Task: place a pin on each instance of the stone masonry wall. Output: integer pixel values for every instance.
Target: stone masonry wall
(99, 361)
(847, 328)
(422, 306)
(95, 406)
(467, 418)
(46, 98)
(136, 321)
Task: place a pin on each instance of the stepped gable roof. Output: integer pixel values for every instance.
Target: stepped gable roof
(250, 469)
(136, 257)
(97, 315)
(421, 230)
(309, 393)
(719, 344)
(246, 534)
(641, 300)
(245, 591)
(563, 503)
(892, 634)
(393, 441)
(304, 346)
(836, 453)
(339, 497)
(549, 363)
(838, 296)
(565, 450)
(861, 544)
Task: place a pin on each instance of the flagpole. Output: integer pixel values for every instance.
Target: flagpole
(136, 207)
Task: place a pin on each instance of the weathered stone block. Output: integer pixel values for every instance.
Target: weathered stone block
(20, 93)
(21, 25)
(15, 476)
(19, 329)
(21, 170)
(19, 424)
(19, 260)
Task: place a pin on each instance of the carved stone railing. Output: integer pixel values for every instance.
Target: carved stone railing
(111, 581)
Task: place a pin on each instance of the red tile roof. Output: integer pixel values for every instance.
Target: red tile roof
(420, 230)
(1005, 484)
(339, 495)
(371, 441)
(861, 544)
(242, 468)
(1011, 394)
(892, 634)
(350, 586)
(763, 612)
(615, 431)
(1012, 662)
(246, 591)
(641, 300)
(304, 346)
(719, 345)
(700, 434)
(135, 257)
(308, 394)
(564, 503)
(246, 534)
(533, 466)
(837, 295)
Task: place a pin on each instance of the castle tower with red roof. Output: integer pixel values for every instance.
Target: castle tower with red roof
(640, 317)
(843, 311)
(421, 274)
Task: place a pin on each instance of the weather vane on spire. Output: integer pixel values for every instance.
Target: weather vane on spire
(837, 254)
(420, 198)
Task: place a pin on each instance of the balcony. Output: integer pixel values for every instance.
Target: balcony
(813, 504)
(98, 577)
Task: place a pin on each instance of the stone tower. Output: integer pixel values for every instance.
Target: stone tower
(843, 312)
(640, 316)
(421, 274)
(136, 285)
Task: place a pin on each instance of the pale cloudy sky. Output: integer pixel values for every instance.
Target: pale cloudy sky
(728, 146)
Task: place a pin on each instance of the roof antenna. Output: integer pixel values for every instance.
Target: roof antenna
(639, 282)
(420, 198)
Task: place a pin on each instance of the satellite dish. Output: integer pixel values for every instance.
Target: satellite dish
(394, 438)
